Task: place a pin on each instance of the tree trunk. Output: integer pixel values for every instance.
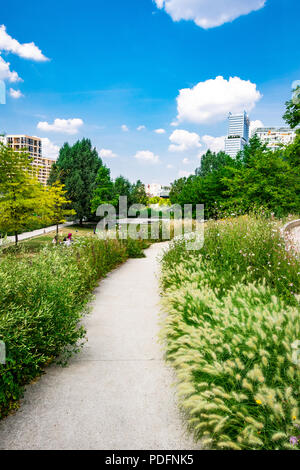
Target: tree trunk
(81, 222)
(56, 229)
(16, 238)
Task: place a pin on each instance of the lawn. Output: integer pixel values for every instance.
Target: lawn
(34, 245)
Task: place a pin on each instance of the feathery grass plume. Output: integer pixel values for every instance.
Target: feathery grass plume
(228, 332)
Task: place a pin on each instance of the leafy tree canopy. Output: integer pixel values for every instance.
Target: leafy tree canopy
(292, 114)
(104, 189)
(22, 198)
(138, 194)
(77, 168)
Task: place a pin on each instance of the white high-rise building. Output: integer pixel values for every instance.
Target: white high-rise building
(274, 137)
(238, 133)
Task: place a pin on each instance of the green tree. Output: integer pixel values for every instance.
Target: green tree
(123, 187)
(22, 197)
(138, 194)
(267, 181)
(77, 168)
(255, 147)
(104, 189)
(212, 161)
(292, 114)
(58, 204)
(176, 189)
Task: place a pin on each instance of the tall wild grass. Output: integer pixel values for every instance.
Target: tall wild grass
(42, 300)
(232, 319)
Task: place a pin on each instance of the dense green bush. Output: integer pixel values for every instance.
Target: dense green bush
(231, 322)
(42, 300)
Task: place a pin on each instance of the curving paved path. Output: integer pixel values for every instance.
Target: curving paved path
(295, 237)
(118, 393)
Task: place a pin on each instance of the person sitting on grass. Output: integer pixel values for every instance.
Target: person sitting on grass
(55, 240)
(69, 240)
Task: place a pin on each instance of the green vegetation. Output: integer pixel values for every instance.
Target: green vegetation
(257, 178)
(23, 198)
(232, 317)
(59, 204)
(42, 301)
(88, 182)
(104, 189)
(292, 114)
(25, 204)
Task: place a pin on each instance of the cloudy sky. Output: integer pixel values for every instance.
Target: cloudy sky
(150, 82)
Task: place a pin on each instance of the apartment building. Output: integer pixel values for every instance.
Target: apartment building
(274, 137)
(33, 145)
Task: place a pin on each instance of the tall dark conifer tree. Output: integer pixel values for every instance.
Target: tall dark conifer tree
(77, 168)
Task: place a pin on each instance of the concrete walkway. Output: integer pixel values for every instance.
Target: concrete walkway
(118, 393)
(37, 233)
(295, 237)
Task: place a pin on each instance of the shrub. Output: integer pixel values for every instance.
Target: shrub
(229, 335)
(42, 300)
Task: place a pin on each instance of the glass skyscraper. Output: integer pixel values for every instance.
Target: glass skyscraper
(238, 133)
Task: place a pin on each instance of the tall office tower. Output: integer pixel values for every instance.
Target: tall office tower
(33, 145)
(238, 133)
(274, 137)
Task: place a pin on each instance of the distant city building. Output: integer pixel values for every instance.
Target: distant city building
(33, 145)
(274, 137)
(153, 190)
(238, 133)
(165, 192)
(157, 190)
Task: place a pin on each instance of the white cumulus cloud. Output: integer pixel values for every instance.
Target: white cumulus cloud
(26, 51)
(49, 149)
(107, 153)
(215, 144)
(6, 73)
(124, 128)
(146, 156)
(184, 174)
(141, 128)
(63, 126)
(209, 13)
(16, 94)
(255, 125)
(212, 100)
(160, 131)
(183, 140)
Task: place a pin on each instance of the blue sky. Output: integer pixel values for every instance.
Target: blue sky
(123, 63)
